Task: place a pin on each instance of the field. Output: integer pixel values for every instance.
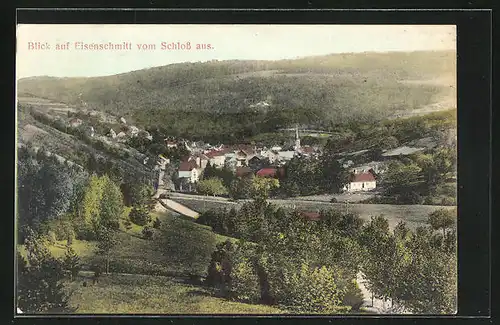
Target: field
(413, 215)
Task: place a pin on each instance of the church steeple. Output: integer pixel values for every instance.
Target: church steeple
(297, 139)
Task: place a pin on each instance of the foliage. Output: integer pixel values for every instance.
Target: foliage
(140, 215)
(136, 192)
(161, 97)
(157, 223)
(147, 232)
(71, 262)
(40, 279)
(442, 219)
(111, 207)
(211, 186)
(45, 192)
(310, 289)
(107, 240)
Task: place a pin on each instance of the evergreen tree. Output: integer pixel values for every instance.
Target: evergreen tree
(107, 240)
(40, 280)
(71, 262)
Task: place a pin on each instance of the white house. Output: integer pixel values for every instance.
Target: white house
(112, 133)
(217, 158)
(286, 155)
(361, 182)
(189, 170)
(76, 122)
(134, 131)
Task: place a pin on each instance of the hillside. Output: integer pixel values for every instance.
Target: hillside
(262, 95)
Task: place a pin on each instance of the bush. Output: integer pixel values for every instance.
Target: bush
(157, 223)
(333, 200)
(51, 237)
(353, 296)
(245, 282)
(308, 289)
(140, 216)
(147, 232)
(128, 224)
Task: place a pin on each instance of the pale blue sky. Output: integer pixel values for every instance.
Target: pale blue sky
(245, 42)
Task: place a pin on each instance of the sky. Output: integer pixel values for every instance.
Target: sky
(228, 42)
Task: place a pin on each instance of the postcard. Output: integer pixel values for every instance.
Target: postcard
(236, 169)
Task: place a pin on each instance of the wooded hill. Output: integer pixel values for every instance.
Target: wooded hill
(321, 91)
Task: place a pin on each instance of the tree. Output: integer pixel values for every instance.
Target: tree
(402, 179)
(71, 262)
(442, 219)
(45, 191)
(111, 207)
(241, 188)
(140, 215)
(40, 279)
(107, 240)
(211, 186)
(262, 187)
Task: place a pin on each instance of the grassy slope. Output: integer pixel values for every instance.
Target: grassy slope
(341, 85)
(140, 294)
(158, 267)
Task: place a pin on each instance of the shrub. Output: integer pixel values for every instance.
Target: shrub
(157, 223)
(51, 237)
(308, 289)
(333, 200)
(128, 224)
(353, 296)
(245, 282)
(140, 216)
(147, 232)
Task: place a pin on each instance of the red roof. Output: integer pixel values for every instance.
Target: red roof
(187, 166)
(242, 171)
(307, 149)
(267, 172)
(217, 153)
(363, 177)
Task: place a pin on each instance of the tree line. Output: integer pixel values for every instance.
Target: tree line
(282, 258)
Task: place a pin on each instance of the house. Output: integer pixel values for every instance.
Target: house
(112, 133)
(286, 155)
(134, 131)
(376, 166)
(271, 155)
(145, 134)
(189, 171)
(170, 143)
(201, 160)
(361, 182)
(217, 157)
(121, 135)
(267, 172)
(243, 171)
(256, 163)
(75, 122)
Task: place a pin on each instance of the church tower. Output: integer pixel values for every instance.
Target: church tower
(297, 139)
